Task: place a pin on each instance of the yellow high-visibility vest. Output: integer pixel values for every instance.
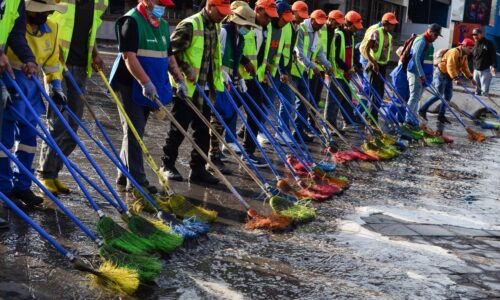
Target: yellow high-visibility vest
(7, 22)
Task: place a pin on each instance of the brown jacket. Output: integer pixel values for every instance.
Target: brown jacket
(455, 62)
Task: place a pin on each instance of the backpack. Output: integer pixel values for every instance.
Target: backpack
(405, 56)
(438, 56)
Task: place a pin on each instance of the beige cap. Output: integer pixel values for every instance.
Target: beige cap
(242, 14)
(45, 5)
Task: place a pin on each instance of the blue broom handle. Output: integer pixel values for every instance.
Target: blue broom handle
(393, 88)
(71, 78)
(365, 81)
(436, 93)
(49, 194)
(313, 101)
(57, 149)
(35, 226)
(77, 140)
(480, 101)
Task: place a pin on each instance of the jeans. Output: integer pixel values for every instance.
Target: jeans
(483, 79)
(299, 105)
(378, 86)
(416, 89)
(444, 85)
(332, 107)
(285, 113)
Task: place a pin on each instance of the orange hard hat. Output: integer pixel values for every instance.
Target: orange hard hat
(354, 18)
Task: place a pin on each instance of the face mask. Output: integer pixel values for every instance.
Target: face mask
(37, 19)
(243, 30)
(158, 11)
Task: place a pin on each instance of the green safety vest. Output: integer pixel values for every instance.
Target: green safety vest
(250, 52)
(339, 73)
(66, 23)
(296, 72)
(366, 38)
(7, 22)
(286, 36)
(376, 54)
(194, 55)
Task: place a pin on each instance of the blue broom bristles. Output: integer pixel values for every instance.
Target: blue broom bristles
(196, 226)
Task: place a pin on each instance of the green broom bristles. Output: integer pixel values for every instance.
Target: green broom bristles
(434, 140)
(148, 267)
(118, 237)
(181, 207)
(299, 212)
(161, 240)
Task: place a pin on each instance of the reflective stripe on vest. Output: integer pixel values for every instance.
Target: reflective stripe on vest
(66, 24)
(296, 72)
(250, 52)
(7, 22)
(376, 55)
(194, 54)
(286, 36)
(337, 71)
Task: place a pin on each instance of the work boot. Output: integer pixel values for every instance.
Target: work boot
(121, 183)
(28, 197)
(217, 161)
(4, 224)
(151, 189)
(50, 185)
(171, 173)
(14, 199)
(61, 187)
(444, 120)
(423, 114)
(202, 176)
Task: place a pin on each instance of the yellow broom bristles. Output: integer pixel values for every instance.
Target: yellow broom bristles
(124, 281)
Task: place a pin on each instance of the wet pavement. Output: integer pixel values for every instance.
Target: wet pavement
(425, 227)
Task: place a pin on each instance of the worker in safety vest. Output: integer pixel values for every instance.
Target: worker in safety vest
(378, 53)
(308, 49)
(232, 38)
(256, 61)
(140, 78)
(300, 13)
(341, 53)
(41, 35)
(13, 35)
(196, 46)
(77, 35)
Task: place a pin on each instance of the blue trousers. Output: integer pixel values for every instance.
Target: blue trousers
(444, 85)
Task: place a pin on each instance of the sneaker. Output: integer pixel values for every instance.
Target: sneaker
(50, 185)
(151, 189)
(262, 139)
(216, 160)
(233, 146)
(444, 120)
(171, 173)
(285, 137)
(203, 177)
(121, 183)
(4, 224)
(28, 197)
(256, 161)
(478, 93)
(224, 157)
(423, 114)
(305, 137)
(61, 187)
(241, 132)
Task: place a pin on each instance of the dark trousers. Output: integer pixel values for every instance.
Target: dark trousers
(316, 87)
(254, 92)
(332, 108)
(378, 85)
(185, 116)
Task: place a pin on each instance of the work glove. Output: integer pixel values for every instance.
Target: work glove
(149, 90)
(182, 91)
(226, 78)
(5, 97)
(57, 94)
(242, 86)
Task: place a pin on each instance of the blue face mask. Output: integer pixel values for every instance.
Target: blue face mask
(158, 11)
(243, 30)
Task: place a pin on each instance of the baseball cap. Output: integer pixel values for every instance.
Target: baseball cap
(468, 42)
(477, 31)
(337, 15)
(435, 28)
(301, 7)
(319, 16)
(223, 6)
(269, 6)
(390, 17)
(354, 18)
(167, 3)
(285, 11)
(45, 6)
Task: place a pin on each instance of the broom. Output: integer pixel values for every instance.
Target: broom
(200, 213)
(147, 267)
(473, 135)
(122, 280)
(115, 235)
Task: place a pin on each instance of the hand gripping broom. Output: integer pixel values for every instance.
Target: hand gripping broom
(122, 280)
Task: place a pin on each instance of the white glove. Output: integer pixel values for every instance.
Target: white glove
(149, 90)
(4, 96)
(182, 90)
(226, 77)
(242, 86)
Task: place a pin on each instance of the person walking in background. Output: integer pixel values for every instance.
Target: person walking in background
(484, 61)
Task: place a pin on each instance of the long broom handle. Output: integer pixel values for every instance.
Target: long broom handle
(202, 154)
(257, 177)
(131, 126)
(71, 78)
(393, 88)
(37, 227)
(50, 195)
(57, 149)
(436, 93)
(77, 140)
(480, 101)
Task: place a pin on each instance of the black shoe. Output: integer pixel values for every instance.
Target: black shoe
(171, 173)
(28, 197)
(305, 137)
(423, 114)
(444, 120)
(4, 224)
(202, 176)
(256, 161)
(151, 189)
(217, 161)
(121, 183)
(14, 199)
(241, 132)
